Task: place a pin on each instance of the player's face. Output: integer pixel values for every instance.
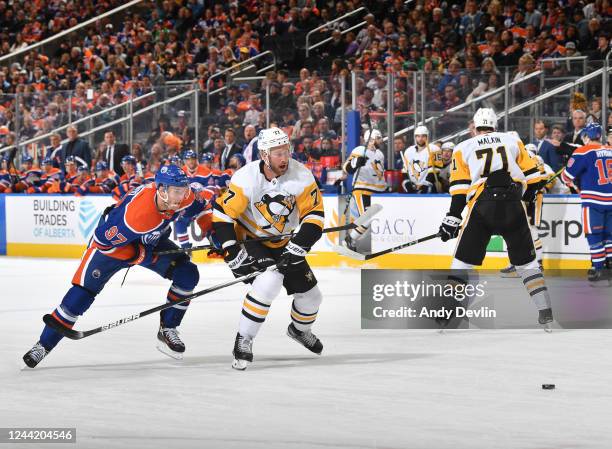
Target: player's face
(191, 163)
(447, 155)
(173, 196)
(28, 165)
(127, 167)
(279, 159)
(421, 140)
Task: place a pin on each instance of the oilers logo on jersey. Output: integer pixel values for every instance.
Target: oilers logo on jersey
(276, 208)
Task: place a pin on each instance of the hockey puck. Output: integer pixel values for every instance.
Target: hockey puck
(548, 386)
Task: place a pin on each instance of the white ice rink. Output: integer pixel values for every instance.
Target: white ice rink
(369, 389)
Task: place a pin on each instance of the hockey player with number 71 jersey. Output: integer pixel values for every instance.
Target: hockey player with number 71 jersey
(493, 173)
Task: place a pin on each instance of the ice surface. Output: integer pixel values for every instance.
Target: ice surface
(370, 389)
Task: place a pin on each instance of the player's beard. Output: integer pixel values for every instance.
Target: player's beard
(281, 168)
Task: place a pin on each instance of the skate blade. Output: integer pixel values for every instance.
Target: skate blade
(169, 352)
(240, 365)
(514, 274)
(604, 283)
(547, 327)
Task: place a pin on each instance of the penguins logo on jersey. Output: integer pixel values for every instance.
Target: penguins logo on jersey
(378, 168)
(276, 209)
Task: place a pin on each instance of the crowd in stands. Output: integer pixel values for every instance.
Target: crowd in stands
(462, 48)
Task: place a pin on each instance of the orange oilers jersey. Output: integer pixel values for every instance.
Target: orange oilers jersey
(474, 159)
(260, 207)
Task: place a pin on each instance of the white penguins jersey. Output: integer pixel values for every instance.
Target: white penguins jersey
(474, 159)
(372, 174)
(419, 162)
(259, 207)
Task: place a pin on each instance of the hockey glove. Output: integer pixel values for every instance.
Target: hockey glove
(239, 261)
(449, 227)
(144, 255)
(291, 258)
(360, 161)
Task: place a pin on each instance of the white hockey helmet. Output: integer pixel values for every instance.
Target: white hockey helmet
(270, 138)
(448, 146)
(485, 118)
(421, 131)
(375, 134)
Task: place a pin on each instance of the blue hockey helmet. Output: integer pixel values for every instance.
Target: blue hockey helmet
(171, 175)
(128, 159)
(593, 131)
(83, 168)
(174, 160)
(70, 160)
(27, 158)
(47, 161)
(239, 159)
(207, 157)
(101, 165)
(190, 154)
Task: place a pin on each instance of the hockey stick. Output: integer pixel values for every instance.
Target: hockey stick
(77, 335)
(343, 250)
(368, 215)
(555, 176)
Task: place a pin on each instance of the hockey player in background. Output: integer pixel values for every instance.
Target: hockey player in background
(491, 173)
(367, 165)
(420, 160)
(269, 197)
(590, 170)
(442, 173)
(130, 233)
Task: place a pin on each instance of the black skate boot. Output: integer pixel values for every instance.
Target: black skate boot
(243, 352)
(306, 339)
(598, 276)
(34, 356)
(545, 318)
(170, 343)
(350, 243)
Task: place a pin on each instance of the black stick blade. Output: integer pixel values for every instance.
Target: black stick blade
(58, 327)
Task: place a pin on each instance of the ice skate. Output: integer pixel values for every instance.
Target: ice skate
(306, 339)
(170, 343)
(243, 352)
(545, 318)
(34, 356)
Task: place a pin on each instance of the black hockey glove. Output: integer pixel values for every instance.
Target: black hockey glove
(291, 258)
(532, 190)
(449, 227)
(239, 261)
(360, 161)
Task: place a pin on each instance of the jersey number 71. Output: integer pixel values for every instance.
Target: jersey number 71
(487, 153)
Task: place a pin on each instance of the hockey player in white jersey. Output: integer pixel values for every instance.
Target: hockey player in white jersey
(268, 197)
(367, 165)
(492, 173)
(442, 173)
(419, 162)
